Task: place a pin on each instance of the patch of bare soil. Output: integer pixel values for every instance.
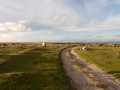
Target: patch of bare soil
(86, 76)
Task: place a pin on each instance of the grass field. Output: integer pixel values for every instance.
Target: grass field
(32, 68)
(106, 58)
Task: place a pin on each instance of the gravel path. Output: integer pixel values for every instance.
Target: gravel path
(86, 76)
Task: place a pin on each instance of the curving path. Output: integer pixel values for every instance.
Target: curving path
(86, 76)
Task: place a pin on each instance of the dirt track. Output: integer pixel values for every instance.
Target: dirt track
(86, 76)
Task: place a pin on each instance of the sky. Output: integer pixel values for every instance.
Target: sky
(59, 20)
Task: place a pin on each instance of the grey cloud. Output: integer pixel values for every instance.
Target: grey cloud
(88, 36)
(99, 36)
(37, 26)
(117, 36)
(54, 15)
(67, 37)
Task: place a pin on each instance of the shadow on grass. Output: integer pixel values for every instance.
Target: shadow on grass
(45, 78)
(93, 49)
(33, 70)
(115, 73)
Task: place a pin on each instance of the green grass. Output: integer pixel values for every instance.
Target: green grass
(33, 69)
(104, 57)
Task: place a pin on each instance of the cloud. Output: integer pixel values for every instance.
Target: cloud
(67, 37)
(117, 36)
(24, 21)
(50, 32)
(111, 23)
(99, 36)
(11, 36)
(59, 15)
(93, 23)
(6, 36)
(52, 14)
(14, 26)
(87, 35)
(33, 17)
